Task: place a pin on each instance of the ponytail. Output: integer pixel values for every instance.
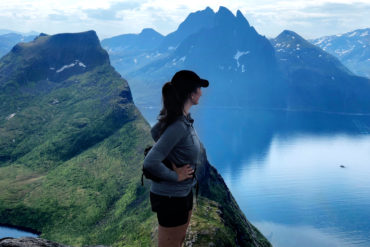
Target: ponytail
(173, 105)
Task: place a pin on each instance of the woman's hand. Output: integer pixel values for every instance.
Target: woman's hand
(183, 172)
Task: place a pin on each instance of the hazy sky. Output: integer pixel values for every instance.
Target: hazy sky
(309, 18)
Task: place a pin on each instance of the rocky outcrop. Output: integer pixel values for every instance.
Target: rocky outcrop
(33, 242)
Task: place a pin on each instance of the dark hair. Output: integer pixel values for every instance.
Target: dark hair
(173, 101)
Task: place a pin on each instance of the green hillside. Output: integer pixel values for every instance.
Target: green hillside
(71, 151)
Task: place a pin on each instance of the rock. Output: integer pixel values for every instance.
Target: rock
(32, 242)
(28, 242)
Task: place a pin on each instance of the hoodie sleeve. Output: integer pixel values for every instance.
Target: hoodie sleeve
(160, 150)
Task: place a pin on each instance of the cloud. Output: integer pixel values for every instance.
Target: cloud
(310, 18)
(112, 11)
(57, 17)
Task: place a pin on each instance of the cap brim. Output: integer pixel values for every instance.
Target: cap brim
(203, 83)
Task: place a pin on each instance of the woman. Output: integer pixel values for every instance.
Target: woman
(176, 140)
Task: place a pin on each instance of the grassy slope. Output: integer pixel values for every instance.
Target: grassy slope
(73, 161)
(70, 167)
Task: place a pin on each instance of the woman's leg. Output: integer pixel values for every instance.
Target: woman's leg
(186, 228)
(172, 236)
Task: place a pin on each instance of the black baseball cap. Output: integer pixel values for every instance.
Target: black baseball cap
(186, 78)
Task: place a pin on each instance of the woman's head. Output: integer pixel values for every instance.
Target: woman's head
(185, 85)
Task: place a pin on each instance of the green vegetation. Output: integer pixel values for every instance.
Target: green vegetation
(71, 153)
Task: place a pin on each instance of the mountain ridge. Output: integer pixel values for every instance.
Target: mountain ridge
(70, 150)
(248, 71)
(351, 48)
(81, 52)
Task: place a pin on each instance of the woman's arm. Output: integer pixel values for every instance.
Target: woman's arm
(160, 150)
(155, 130)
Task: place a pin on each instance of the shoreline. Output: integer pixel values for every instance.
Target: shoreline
(21, 228)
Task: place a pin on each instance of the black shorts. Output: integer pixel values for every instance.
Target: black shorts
(171, 211)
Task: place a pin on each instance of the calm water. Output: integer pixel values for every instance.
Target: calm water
(15, 233)
(283, 169)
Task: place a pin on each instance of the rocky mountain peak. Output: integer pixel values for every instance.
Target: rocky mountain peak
(224, 17)
(240, 18)
(289, 35)
(225, 12)
(56, 57)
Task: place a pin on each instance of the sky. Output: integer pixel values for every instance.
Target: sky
(309, 18)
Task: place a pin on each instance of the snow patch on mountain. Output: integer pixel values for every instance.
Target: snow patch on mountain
(239, 54)
(10, 116)
(76, 62)
(364, 34)
(320, 41)
(81, 64)
(352, 34)
(342, 52)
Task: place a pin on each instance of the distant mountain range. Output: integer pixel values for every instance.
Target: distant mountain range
(71, 149)
(7, 31)
(352, 49)
(225, 49)
(245, 69)
(131, 51)
(317, 80)
(8, 40)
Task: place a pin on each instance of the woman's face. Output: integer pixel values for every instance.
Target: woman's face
(196, 95)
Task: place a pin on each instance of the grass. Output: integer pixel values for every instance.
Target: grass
(71, 159)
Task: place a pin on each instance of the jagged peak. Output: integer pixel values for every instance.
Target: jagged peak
(206, 11)
(205, 16)
(240, 17)
(223, 11)
(225, 17)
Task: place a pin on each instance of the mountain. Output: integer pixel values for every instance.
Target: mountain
(7, 41)
(352, 49)
(132, 51)
(229, 53)
(146, 40)
(247, 70)
(6, 31)
(318, 80)
(193, 23)
(71, 149)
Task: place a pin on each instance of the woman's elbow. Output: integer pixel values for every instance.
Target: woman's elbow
(147, 164)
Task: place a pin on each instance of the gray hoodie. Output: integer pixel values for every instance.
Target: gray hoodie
(181, 145)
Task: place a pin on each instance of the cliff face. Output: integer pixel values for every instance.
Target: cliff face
(218, 218)
(71, 153)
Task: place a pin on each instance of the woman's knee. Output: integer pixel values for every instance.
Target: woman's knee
(170, 236)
